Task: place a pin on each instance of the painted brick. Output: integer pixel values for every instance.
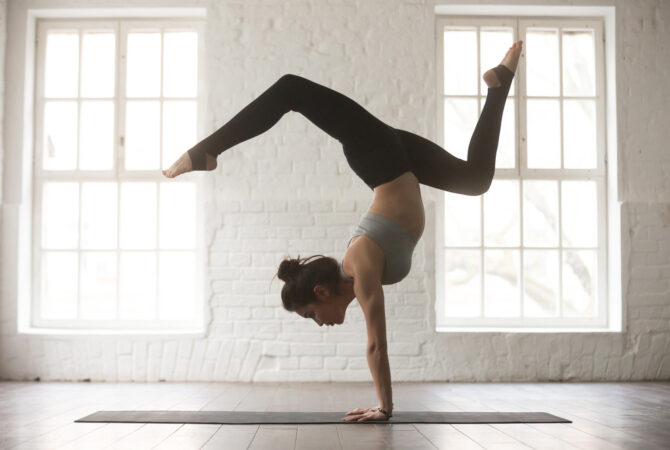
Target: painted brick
(263, 313)
(357, 363)
(276, 349)
(291, 219)
(351, 349)
(311, 362)
(313, 350)
(335, 362)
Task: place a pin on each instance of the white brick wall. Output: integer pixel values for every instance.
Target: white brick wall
(290, 190)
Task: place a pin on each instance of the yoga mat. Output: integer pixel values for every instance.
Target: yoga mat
(258, 417)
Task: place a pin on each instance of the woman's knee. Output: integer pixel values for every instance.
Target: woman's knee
(291, 79)
(481, 182)
(292, 88)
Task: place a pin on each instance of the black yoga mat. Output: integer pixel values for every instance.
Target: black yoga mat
(258, 417)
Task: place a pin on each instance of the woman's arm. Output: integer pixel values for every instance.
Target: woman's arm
(370, 295)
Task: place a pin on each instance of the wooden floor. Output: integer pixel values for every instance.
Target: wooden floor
(605, 415)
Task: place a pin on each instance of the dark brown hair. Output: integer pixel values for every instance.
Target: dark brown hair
(301, 275)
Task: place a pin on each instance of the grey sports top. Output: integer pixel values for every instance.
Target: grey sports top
(396, 244)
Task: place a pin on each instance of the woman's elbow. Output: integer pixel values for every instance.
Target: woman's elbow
(376, 348)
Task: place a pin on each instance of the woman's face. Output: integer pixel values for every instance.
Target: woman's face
(329, 308)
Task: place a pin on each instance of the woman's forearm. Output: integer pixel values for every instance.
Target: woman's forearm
(378, 361)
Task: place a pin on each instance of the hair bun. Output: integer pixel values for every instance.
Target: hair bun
(288, 269)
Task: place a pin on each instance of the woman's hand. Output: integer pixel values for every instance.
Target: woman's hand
(364, 415)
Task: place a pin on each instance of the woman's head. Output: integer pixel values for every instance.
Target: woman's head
(314, 289)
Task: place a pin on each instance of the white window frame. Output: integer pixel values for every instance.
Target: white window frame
(608, 290)
(118, 174)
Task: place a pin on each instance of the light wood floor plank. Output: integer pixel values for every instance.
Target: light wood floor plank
(446, 436)
(274, 438)
(232, 437)
(487, 436)
(147, 436)
(317, 437)
(189, 436)
(104, 436)
(386, 436)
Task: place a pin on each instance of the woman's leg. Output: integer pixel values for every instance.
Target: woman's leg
(333, 112)
(435, 167)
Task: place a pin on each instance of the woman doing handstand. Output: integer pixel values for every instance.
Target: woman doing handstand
(392, 162)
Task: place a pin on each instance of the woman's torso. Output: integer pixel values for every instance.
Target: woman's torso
(398, 200)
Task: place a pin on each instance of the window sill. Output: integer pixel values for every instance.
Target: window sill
(78, 332)
(524, 330)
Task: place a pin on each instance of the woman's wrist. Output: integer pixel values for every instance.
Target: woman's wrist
(387, 407)
(386, 412)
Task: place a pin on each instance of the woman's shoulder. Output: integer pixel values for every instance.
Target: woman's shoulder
(364, 258)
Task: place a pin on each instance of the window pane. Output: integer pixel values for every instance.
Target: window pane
(179, 134)
(61, 72)
(58, 299)
(144, 64)
(97, 135)
(494, 43)
(463, 280)
(142, 141)
(540, 213)
(460, 61)
(462, 220)
(579, 63)
(177, 215)
(60, 215)
(138, 215)
(180, 64)
(579, 134)
(540, 283)
(97, 64)
(505, 156)
(137, 285)
(580, 214)
(501, 213)
(542, 62)
(580, 283)
(176, 285)
(544, 134)
(98, 285)
(98, 215)
(501, 283)
(460, 118)
(59, 146)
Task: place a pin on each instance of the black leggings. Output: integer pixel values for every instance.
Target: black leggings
(377, 152)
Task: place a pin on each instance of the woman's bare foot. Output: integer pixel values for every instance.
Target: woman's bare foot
(184, 164)
(510, 60)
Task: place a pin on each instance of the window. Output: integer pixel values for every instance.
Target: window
(115, 241)
(531, 253)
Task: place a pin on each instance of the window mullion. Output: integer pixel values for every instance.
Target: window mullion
(560, 93)
(522, 277)
(38, 185)
(79, 182)
(118, 146)
(522, 128)
(482, 261)
(560, 183)
(560, 249)
(517, 97)
(160, 162)
(481, 201)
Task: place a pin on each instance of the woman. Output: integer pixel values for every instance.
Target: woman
(392, 162)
